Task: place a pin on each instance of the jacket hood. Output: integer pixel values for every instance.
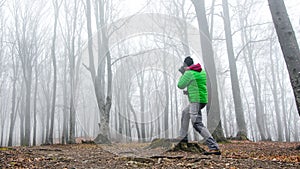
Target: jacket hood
(197, 67)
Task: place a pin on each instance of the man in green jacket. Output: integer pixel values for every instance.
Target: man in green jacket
(194, 79)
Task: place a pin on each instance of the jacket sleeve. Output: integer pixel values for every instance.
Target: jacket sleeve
(184, 80)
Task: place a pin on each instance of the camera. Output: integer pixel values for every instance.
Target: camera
(181, 69)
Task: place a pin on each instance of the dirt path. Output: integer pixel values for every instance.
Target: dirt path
(134, 155)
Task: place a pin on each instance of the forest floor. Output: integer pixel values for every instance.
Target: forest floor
(236, 154)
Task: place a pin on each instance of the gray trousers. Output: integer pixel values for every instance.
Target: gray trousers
(193, 112)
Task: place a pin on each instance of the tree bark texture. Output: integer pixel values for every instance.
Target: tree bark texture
(289, 45)
(208, 58)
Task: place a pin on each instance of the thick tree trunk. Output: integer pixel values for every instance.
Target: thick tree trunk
(104, 56)
(239, 112)
(108, 103)
(289, 45)
(213, 106)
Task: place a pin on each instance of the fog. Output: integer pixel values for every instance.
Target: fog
(85, 69)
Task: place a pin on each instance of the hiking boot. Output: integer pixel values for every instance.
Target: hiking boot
(212, 152)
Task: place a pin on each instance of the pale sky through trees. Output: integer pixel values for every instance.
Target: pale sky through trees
(131, 93)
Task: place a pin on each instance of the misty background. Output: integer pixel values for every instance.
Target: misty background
(86, 69)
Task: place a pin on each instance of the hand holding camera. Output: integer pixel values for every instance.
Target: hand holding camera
(181, 69)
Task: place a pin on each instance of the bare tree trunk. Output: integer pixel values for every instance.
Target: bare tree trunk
(172, 114)
(100, 55)
(108, 102)
(104, 103)
(253, 81)
(249, 114)
(208, 58)
(56, 13)
(275, 96)
(128, 127)
(136, 121)
(264, 99)
(21, 115)
(28, 80)
(289, 45)
(65, 105)
(118, 119)
(14, 105)
(166, 110)
(3, 114)
(280, 74)
(223, 109)
(43, 129)
(177, 121)
(159, 130)
(239, 112)
(212, 13)
(255, 85)
(72, 110)
(48, 114)
(27, 44)
(35, 107)
(284, 108)
(72, 72)
(142, 103)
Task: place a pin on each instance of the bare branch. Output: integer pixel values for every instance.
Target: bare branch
(2, 3)
(115, 28)
(251, 41)
(84, 65)
(135, 54)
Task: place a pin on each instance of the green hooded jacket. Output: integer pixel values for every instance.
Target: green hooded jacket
(195, 81)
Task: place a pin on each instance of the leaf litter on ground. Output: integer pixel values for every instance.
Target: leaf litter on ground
(236, 154)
